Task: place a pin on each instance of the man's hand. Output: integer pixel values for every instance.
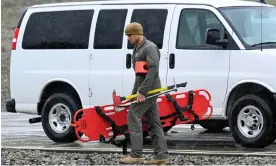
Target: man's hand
(140, 98)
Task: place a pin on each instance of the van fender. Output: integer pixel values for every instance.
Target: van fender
(57, 80)
(233, 86)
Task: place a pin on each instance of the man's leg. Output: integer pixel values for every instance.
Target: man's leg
(157, 136)
(136, 134)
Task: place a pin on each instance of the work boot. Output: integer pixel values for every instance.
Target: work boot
(132, 160)
(155, 161)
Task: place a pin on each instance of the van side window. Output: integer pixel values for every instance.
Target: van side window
(192, 29)
(110, 29)
(58, 30)
(153, 22)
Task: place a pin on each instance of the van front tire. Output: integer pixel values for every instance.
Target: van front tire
(251, 122)
(57, 112)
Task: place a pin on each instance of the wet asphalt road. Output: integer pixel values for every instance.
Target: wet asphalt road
(17, 132)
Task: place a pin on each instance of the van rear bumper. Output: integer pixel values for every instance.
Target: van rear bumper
(10, 105)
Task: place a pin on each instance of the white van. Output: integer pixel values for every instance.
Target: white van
(68, 56)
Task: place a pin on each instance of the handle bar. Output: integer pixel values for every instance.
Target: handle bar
(184, 84)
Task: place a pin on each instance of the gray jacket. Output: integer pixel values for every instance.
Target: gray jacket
(150, 53)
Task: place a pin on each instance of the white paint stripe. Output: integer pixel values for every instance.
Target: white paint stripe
(187, 126)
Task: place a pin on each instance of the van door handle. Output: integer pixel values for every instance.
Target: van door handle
(171, 61)
(128, 61)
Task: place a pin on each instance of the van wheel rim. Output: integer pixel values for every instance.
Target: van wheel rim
(59, 118)
(250, 121)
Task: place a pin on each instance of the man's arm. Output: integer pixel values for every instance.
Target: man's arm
(152, 58)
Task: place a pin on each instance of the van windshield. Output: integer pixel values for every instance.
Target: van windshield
(252, 27)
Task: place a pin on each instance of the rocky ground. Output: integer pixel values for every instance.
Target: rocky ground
(36, 157)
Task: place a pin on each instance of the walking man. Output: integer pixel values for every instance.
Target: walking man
(145, 50)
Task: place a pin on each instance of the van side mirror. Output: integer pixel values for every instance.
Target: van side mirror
(213, 38)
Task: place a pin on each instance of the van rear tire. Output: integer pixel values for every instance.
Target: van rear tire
(57, 112)
(247, 113)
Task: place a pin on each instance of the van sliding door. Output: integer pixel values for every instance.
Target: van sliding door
(156, 22)
(107, 53)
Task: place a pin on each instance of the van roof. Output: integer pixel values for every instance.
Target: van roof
(214, 3)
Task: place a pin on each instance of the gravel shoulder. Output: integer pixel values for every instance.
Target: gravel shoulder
(37, 157)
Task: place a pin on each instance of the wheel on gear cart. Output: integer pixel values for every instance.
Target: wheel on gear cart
(213, 125)
(251, 122)
(57, 112)
(166, 129)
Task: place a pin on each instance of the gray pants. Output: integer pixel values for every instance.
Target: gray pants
(148, 109)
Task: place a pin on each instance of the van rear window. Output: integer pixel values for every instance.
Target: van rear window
(58, 30)
(153, 22)
(110, 29)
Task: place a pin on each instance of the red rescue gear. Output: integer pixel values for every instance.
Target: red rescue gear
(102, 122)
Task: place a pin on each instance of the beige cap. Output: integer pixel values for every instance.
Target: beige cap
(134, 28)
